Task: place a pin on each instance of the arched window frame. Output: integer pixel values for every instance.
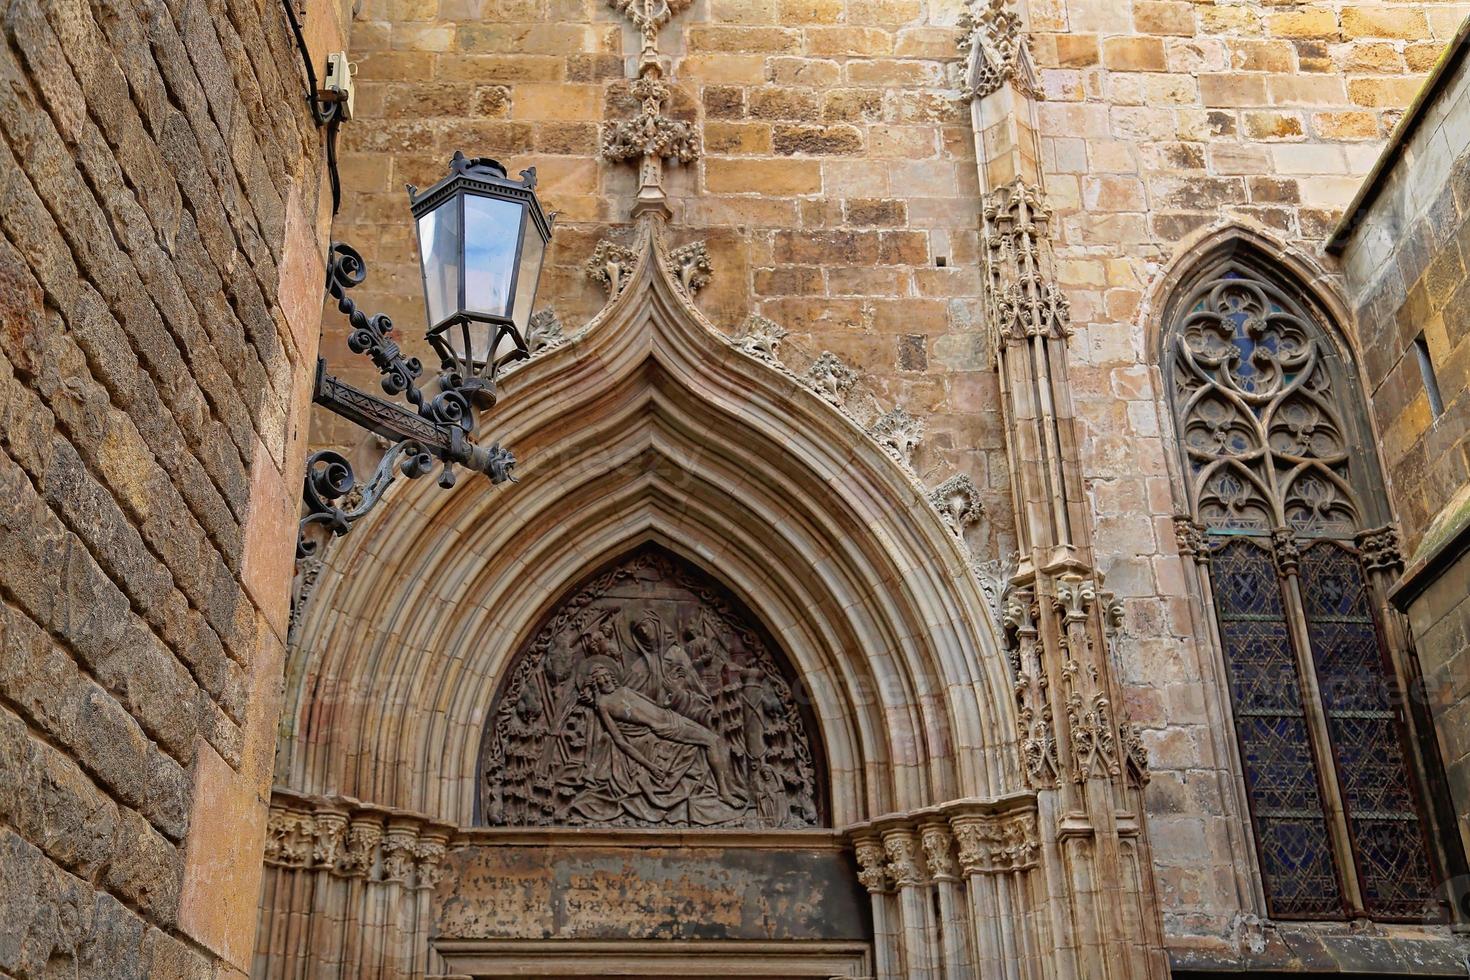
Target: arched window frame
(1352, 520)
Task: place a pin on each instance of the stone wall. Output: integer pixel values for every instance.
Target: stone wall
(160, 275)
(1405, 251)
(838, 194)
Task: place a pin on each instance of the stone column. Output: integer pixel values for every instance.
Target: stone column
(873, 873)
(919, 930)
(954, 928)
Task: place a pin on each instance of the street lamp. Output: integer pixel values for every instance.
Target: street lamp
(482, 238)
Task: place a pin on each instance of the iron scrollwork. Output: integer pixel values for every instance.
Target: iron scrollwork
(435, 430)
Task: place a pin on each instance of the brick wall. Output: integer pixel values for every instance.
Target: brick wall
(159, 298)
(1405, 255)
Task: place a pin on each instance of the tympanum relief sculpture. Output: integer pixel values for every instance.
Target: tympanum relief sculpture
(648, 699)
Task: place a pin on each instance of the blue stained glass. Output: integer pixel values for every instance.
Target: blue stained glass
(1358, 696)
(1275, 745)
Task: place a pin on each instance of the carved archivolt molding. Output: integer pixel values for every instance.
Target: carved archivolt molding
(994, 38)
(348, 839)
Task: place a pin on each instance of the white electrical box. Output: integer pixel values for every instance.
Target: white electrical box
(339, 82)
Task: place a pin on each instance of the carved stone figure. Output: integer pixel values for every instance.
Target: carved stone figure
(648, 700)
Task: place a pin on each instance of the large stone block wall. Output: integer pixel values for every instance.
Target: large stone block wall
(839, 197)
(1405, 256)
(1165, 123)
(160, 283)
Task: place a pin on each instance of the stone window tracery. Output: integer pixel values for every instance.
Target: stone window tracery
(1274, 457)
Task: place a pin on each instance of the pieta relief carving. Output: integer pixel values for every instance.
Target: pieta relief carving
(648, 698)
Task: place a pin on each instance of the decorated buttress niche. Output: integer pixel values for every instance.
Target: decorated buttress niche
(649, 698)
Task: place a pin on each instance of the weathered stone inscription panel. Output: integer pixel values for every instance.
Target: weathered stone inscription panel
(536, 891)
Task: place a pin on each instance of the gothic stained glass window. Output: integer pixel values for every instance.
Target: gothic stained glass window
(1264, 420)
(1383, 820)
(1275, 750)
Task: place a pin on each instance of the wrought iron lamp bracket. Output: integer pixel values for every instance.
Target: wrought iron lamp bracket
(436, 429)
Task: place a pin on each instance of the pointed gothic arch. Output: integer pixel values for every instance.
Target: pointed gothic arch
(1282, 508)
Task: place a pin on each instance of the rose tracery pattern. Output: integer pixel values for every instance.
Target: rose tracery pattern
(1265, 442)
(647, 699)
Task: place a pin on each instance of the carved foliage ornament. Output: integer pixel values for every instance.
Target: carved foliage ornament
(991, 845)
(762, 338)
(691, 267)
(958, 502)
(648, 699)
(650, 132)
(898, 433)
(544, 332)
(831, 378)
(611, 265)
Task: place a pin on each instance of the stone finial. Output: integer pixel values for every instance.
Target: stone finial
(831, 378)
(611, 265)
(691, 267)
(648, 17)
(650, 133)
(544, 331)
(898, 433)
(762, 338)
(958, 502)
(994, 33)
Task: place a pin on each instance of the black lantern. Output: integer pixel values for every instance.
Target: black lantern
(481, 237)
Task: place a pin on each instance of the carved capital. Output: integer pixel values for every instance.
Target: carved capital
(872, 862)
(831, 378)
(898, 433)
(1074, 598)
(290, 838)
(398, 854)
(958, 502)
(611, 265)
(428, 857)
(939, 852)
(358, 858)
(996, 844)
(331, 831)
(1191, 539)
(1285, 551)
(904, 866)
(1135, 754)
(1379, 547)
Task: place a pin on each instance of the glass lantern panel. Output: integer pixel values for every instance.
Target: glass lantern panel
(533, 249)
(439, 238)
(492, 230)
